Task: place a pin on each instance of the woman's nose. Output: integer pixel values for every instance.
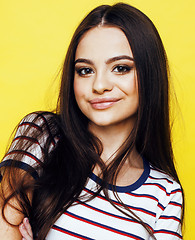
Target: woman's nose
(102, 83)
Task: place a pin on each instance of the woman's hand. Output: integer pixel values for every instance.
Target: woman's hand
(25, 230)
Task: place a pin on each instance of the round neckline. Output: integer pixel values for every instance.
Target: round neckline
(130, 187)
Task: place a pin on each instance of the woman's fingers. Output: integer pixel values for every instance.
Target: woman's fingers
(25, 230)
(28, 226)
(24, 233)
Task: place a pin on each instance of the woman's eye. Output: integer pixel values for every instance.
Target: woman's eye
(122, 69)
(84, 71)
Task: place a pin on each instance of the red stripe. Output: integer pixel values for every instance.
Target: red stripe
(51, 136)
(168, 232)
(26, 138)
(175, 204)
(109, 214)
(30, 124)
(159, 186)
(176, 190)
(39, 128)
(25, 153)
(171, 217)
(130, 207)
(169, 181)
(100, 226)
(143, 195)
(68, 233)
(160, 206)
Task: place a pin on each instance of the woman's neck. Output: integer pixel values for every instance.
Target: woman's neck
(112, 138)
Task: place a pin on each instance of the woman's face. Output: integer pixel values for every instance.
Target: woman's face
(105, 80)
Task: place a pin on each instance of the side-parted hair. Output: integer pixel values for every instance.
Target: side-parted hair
(77, 151)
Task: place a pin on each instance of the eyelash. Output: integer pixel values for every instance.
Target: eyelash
(122, 69)
(79, 71)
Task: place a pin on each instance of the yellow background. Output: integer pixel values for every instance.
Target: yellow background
(34, 38)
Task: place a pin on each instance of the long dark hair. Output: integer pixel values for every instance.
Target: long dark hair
(76, 152)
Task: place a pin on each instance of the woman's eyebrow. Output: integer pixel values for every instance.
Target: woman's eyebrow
(83, 60)
(121, 57)
(110, 60)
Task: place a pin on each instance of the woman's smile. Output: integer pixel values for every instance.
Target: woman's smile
(103, 103)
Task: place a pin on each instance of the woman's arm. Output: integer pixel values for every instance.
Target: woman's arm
(20, 168)
(9, 230)
(168, 224)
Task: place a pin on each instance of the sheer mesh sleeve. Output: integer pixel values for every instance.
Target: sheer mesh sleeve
(31, 143)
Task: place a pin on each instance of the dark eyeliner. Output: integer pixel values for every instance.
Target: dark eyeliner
(80, 69)
(126, 67)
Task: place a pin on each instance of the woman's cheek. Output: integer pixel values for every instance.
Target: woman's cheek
(80, 92)
(77, 89)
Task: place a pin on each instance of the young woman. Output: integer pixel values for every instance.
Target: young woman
(101, 166)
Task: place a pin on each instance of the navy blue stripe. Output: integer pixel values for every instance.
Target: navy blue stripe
(175, 203)
(120, 232)
(168, 232)
(176, 190)
(161, 206)
(25, 153)
(21, 165)
(111, 214)
(128, 188)
(146, 211)
(166, 179)
(31, 124)
(143, 195)
(48, 128)
(71, 233)
(26, 138)
(170, 217)
(159, 186)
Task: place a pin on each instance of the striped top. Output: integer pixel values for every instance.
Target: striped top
(155, 198)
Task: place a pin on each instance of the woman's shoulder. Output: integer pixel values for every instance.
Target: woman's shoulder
(164, 181)
(36, 136)
(39, 118)
(39, 123)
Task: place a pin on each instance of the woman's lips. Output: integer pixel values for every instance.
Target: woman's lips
(103, 103)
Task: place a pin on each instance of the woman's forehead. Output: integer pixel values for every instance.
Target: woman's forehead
(103, 42)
